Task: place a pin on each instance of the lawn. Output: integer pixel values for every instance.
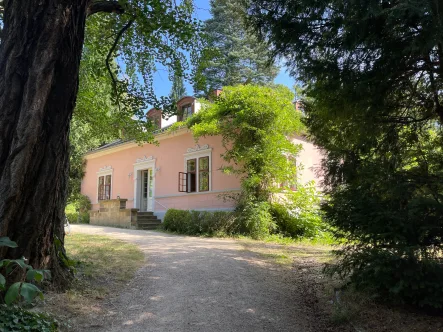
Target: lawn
(103, 267)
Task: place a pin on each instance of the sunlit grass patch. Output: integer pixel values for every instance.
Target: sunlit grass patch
(99, 257)
(103, 266)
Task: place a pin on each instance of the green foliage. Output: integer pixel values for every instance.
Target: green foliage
(16, 319)
(385, 273)
(199, 222)
(297, 214)
(82, 204)
(112, 100)
(233, 55)
(255, 219)
(255, 124)
(77, 211)
(178, 89)
(373, 82)
(19, 290)
(78, 218)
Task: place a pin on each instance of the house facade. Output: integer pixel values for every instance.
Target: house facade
(126, 182)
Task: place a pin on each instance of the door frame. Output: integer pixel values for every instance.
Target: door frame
(137, 175)
(149, 199)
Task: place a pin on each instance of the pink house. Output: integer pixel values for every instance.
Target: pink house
(131, 185)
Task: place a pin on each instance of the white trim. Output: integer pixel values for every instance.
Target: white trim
(107, 170)
(196, 154)
(198, 148)
(138, 167)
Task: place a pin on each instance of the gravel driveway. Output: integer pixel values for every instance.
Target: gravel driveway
(201, 284)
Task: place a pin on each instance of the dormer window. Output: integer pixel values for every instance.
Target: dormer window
(155, 115)
(186, 111)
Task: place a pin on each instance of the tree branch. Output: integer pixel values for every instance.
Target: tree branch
(104, 7)
(111, 51)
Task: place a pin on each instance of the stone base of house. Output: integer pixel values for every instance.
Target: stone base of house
(113, 212)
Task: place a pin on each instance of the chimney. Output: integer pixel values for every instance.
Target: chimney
(298, 105)
(214, 94)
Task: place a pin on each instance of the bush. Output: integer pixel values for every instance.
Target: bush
(77, 211)
(199, 222)
(83, 204)
(393, 277)
(255, 219)
(296, 223)
(78, 218)
(177, 220)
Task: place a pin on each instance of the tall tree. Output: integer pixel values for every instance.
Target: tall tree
(233, 55)
(178, 89)
(40, 52)
(374, 79)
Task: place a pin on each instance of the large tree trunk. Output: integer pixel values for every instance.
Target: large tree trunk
(39, 64)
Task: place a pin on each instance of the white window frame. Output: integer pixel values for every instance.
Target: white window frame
(104, 173)
(196, 155)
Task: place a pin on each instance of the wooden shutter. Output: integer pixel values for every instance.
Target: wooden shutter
(182, 182)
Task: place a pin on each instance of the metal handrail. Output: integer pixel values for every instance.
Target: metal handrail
(155, 201)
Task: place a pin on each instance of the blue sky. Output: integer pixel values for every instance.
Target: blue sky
(161, 80)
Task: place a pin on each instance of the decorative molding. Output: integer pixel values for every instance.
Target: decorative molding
(105, 168)
(144, 159)
(198, 148)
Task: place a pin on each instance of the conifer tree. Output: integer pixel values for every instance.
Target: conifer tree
(178, 89)
(234, 55)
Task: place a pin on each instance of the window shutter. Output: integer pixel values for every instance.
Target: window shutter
(182, 182)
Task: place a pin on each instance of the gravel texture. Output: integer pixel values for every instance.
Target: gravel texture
(201, 284)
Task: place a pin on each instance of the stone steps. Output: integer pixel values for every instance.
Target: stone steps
(147, 221)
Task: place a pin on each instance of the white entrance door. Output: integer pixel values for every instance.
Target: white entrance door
(147, 190)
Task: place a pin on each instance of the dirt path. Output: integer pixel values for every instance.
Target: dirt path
(198, 284)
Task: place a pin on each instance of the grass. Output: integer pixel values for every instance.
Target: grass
(103, 266)
(101, 257)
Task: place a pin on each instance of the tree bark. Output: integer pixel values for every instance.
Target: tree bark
(39, 65)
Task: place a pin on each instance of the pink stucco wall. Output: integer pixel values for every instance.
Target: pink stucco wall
(309, 160)
(169, 160)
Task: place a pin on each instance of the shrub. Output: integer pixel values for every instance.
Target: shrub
(83, 204)
(199, 222)
(297, 214)
(77, 211)
(255, 219)
(177, 220)
(296, 223)
(390, 276)
(78, 218)
(24, 289)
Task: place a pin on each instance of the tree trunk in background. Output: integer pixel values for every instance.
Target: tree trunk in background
(39, 65)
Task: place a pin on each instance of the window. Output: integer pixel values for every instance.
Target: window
(191, 178)
(197, 175)
(104, 187)
(186, 112)
(203, 173)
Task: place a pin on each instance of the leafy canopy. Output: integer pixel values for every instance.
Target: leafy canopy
(373, 80)
(255, 123)
(122, 51)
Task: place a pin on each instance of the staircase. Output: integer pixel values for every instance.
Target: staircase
(147, 221)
